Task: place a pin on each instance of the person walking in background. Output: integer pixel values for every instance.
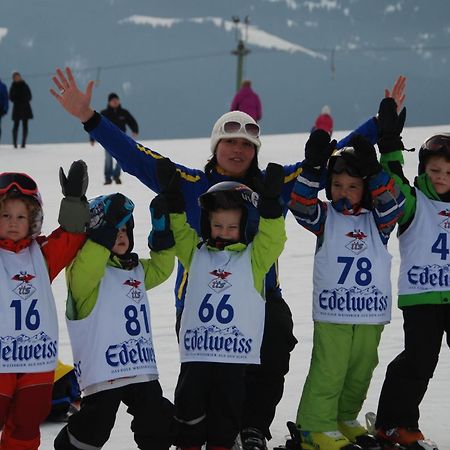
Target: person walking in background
(121, 118)
(324, 121)
(4, 103)
(20, 96)
(246, 100)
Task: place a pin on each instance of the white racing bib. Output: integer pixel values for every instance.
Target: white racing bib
(352, 272)
(223, 316)
(28, 319)
(115, 340)
(425, 248)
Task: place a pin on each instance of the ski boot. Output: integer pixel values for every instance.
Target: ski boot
(401, 438)
(356, 433)
(306, 440)
(252, 439)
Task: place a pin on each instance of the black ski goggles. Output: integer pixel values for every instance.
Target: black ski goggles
(342, 166)
(20, 181)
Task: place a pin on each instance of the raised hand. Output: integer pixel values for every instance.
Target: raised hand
(269, 190)
(365, 156)
(76, 182)
(169, 184)
(398, 92)
(390, 126)
(70, 97)
(161, 236)
(74, 209)
(318, 149)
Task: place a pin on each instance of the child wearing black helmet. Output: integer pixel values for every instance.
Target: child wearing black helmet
(29, 262)
(223, 318)
(108, 319)
(351, 285)
(424, 284)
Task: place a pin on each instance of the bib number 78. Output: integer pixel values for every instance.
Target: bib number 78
(363, 277)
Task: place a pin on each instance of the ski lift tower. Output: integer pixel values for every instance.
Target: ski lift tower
(241, 50)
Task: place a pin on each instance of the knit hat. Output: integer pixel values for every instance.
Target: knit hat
(219, 133)
(112, 96)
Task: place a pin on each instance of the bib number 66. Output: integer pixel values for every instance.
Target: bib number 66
(224, 312)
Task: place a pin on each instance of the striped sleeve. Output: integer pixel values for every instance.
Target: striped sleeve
(388, 203)
(307, 209)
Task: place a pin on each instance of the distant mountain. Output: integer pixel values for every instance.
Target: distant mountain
(171, 62)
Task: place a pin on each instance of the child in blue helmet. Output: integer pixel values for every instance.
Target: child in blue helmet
(352, 290)
(108, 318)
(223, 318)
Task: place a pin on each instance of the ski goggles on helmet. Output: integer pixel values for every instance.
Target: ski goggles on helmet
(437, 143)
(233, 127)
(19, 181)
(341, 165)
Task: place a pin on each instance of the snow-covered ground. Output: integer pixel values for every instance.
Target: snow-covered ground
(43, 162)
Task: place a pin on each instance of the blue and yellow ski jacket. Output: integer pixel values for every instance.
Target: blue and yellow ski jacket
(139, 161)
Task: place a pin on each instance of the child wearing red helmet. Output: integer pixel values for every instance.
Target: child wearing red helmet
(28, 321)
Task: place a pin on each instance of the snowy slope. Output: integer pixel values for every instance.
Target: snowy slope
(43, 161)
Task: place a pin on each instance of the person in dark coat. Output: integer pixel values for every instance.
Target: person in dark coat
(121, 118)
(4, 103)
(20, 96)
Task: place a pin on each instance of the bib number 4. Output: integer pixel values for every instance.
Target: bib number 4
(440, 246)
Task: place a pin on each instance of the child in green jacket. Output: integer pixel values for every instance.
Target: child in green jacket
(108, 318)
(223, 317)
(423, 285)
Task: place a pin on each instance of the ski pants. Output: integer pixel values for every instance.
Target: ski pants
(25, 401)
(91, 426)
(15, 131)
(407, 376)
(208, 404)
(112, 167)
(264, 383)
(342, 363)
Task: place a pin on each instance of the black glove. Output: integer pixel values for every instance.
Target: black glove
(161, 236)
(169, 184)
(365, 156)
(269, 190)
(390, 126)
(117, 215)
(318, 149)
(74, 208)
(76, 182)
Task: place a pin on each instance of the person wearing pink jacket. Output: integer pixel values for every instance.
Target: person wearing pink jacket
(248, 101)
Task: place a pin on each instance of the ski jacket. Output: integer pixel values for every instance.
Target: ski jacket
(324, 122)
(20, 96)
(85, 274)
(4, 102)
(267, 245)
(247, 100)
(310, 212)
(121, 117)
(59, 248)
(140, 161)
(392, 162)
